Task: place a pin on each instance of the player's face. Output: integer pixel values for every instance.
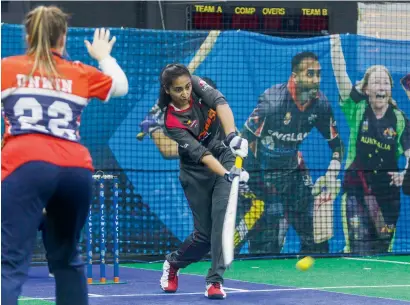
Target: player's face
(307, 79)
(180, 91)
(378, 89)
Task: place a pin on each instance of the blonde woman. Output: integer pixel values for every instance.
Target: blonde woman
(43, 163)
(378, 137)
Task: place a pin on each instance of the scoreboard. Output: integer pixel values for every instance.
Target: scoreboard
(304, 21)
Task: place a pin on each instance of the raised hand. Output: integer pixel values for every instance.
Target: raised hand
(101, 46)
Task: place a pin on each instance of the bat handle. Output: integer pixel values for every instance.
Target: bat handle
(238, 162)
(141, 135)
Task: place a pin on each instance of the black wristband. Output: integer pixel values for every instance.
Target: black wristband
(227, 177)
(229, 138)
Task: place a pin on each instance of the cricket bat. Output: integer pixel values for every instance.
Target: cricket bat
(375, 213)
(228, 231)
(325, 195)
(373, 207)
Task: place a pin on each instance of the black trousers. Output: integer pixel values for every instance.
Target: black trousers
(207, 195)
(43, 229)
(367, 233)
(288, 201)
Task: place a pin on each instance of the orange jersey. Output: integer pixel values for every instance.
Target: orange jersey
(42, 115)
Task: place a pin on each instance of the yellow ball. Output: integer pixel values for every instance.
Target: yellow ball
(305, 263)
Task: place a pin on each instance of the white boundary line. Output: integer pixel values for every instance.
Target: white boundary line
(376, 260)
(234, 291)
(284, 287)
(249, 291)
(95, 295)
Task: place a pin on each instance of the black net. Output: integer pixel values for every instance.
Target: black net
(292, 203)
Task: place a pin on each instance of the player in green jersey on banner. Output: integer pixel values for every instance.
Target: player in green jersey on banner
(379, 135)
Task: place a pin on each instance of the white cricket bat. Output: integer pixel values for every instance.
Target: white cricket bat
(323, 209)
(203, 50)
(228, 230)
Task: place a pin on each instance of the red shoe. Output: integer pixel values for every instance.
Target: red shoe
(169, 278)
(215, 291)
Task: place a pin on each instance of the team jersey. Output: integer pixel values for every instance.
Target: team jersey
(197, 129)
(42, 115)
(280, 123)
(375, 144)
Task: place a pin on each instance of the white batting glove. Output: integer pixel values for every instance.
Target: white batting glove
(238, 145)
(234, 172)
(329, 181)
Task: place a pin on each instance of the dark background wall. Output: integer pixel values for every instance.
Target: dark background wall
(143, 14)
(84, 13)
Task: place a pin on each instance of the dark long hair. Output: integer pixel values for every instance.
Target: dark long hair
(167, 76)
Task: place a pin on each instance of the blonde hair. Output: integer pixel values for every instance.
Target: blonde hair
(365, 81)
(44, 26)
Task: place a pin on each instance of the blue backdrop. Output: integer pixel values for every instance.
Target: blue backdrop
(243, 65)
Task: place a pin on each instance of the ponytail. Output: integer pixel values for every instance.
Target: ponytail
(164, 98)
(45, 26)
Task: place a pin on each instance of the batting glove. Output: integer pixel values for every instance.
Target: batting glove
(238, 145)
(152, 121)
(234, 172)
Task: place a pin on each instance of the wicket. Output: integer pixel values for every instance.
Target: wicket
(101, 178)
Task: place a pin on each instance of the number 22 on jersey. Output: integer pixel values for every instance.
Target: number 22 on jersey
(55, 119)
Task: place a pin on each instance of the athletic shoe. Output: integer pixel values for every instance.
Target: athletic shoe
(215, 291)
(169, 278)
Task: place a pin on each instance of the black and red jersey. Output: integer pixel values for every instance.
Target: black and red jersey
(197, 130)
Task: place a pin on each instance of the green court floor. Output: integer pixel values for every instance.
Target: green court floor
(387, 277)
(36, 302)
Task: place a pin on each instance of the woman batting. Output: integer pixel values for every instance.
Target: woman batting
(207, 145)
